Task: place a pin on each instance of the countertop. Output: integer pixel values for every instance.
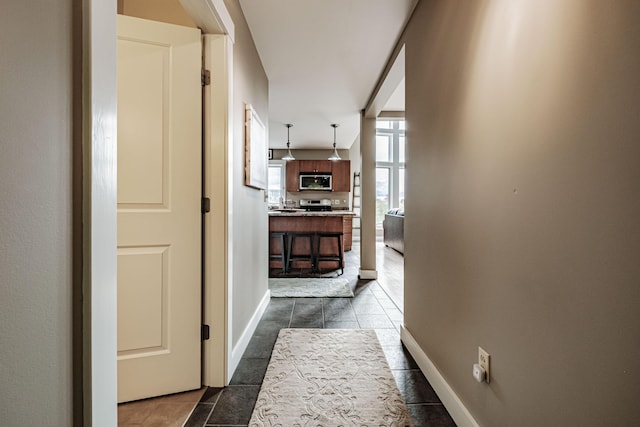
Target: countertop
(301, 212)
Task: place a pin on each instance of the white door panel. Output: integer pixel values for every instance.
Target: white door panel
(159, 191)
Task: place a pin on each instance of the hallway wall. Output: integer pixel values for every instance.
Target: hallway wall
(248, 215)
(35, 213)
(522, 231)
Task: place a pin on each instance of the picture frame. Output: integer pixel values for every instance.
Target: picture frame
(255, 150)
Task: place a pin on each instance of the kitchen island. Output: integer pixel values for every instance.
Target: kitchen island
(299, 221)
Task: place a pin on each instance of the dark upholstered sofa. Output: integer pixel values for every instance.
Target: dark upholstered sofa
(393, 229)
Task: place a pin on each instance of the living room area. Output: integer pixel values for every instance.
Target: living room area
(390, 180)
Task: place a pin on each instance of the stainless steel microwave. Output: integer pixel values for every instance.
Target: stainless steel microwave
(315, 182)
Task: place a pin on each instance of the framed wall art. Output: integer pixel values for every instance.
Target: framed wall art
(255, 150)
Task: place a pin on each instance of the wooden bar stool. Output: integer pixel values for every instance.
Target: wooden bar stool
(282, 255)
(300, 257)
(329, 257)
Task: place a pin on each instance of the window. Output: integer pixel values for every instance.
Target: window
(383, 148)
(275, 182)
(401, 188)
(390, 165)
(382, 193)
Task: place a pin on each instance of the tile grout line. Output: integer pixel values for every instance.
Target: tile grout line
(213, 405)
(293, 308)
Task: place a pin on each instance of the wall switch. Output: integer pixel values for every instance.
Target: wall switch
(483, 361)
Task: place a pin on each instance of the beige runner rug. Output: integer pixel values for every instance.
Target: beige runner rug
(329, 377)
(316, 287)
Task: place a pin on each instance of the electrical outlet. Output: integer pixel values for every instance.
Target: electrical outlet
(483, 361)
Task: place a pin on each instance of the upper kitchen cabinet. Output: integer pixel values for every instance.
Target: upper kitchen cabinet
(293, 175)
(341, 173)
(314, 166)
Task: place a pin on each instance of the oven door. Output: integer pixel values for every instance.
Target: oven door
(315, 182)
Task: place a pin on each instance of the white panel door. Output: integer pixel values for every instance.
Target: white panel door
(159, 222)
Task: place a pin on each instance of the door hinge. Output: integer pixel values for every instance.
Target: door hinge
(205, 206)
(205, 332)
(205, 77)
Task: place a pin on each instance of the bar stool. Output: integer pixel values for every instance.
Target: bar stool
(331, 257)
(301, 257)
(282, 256)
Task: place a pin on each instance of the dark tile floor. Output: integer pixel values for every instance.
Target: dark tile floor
(371, 308)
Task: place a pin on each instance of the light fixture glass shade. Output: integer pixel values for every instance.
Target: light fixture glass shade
(288, 157)
(334, 155)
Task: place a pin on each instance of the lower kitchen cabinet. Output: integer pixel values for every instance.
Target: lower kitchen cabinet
(347, 230)
(309, 222)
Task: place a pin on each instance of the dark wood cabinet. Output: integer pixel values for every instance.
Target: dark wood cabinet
(347, 231)
(341, 173)
(293, 172)
(340, 170)
(314, 166)
(309, 223)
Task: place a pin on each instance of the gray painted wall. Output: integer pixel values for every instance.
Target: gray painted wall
(522, 230)
(248, 217)
(354, 156)
(311, 154)
(35, 213)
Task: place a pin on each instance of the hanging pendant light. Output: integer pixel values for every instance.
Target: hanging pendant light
(287, 157)
(334, 155)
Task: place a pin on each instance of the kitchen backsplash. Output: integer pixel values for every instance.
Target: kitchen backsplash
(338, 200)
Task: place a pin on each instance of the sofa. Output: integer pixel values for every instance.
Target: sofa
(393, 229)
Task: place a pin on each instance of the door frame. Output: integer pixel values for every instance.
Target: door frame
(217, 156)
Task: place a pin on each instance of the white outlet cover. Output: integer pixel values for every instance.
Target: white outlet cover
(484, 360)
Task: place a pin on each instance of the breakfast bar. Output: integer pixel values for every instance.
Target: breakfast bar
(308, 236)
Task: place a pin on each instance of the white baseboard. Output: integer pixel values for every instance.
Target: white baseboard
(449, 398)
(368, 274)
(243, 342)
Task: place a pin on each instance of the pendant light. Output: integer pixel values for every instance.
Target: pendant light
(334, 155)
(287, 157)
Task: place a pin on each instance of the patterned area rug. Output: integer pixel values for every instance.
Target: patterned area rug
(316, 287)
(329, 377)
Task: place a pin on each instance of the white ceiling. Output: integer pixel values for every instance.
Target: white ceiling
(323, 59)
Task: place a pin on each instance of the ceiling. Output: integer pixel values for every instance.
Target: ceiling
(323, 59)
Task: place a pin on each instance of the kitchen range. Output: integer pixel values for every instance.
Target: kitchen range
(318, 205)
